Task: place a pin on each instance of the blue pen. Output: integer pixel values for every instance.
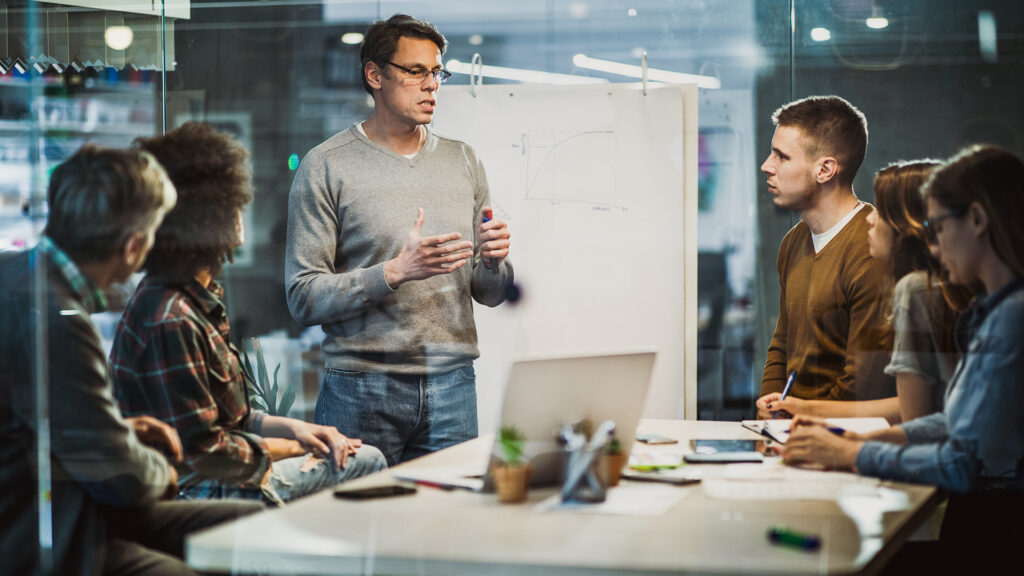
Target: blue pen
(785, 391)
(833, 429)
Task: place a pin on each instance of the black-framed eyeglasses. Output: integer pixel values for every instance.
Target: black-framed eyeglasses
(418, 75)
(931, 225)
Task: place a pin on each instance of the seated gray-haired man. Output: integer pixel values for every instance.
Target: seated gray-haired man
(108, 474)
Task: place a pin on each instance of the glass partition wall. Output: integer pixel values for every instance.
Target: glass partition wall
(283, 76)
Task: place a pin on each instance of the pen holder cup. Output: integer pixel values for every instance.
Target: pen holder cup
(511, 482)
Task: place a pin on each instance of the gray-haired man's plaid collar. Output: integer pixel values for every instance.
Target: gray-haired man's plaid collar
(92, 298)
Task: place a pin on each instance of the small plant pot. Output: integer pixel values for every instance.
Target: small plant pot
(511, 482)
(611, 468)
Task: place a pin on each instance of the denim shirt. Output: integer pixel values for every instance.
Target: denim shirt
(977, 443)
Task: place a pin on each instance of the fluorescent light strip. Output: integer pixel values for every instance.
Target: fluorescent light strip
(521, 75)
(584, 61)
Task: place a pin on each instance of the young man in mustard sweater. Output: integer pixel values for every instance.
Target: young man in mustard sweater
(831, 327)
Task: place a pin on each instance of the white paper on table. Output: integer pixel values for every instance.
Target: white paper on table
(468, 477)
(622, 500)
(776, 481)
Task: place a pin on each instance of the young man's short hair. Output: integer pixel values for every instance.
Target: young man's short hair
(212, 174)
(381, 42)
(832, 127)
(98, 197)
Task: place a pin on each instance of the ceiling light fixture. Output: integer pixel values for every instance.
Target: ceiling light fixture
(876, 21)
(118, 37)
(653, 74)
(352, 38)
(521, 74)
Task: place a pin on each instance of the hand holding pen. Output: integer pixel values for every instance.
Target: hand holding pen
(494, 239)
(785, 392)
(813, 441)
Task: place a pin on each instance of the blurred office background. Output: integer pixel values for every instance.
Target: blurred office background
(283, 75)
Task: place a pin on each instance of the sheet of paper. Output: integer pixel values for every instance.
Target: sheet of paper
(775, 481)
(465, 477)
(623, 500)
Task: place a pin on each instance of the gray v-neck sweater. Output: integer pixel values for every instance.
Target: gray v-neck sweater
(351, 206)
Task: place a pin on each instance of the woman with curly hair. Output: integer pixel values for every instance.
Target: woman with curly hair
(924, 306)
(173, 357)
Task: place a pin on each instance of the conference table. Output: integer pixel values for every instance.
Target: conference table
(718, 526)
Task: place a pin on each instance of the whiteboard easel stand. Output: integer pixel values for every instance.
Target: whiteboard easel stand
(643, 71)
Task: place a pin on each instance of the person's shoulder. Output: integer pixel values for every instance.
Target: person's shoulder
(854, 238)
(795, 245)
(446, 143)
(799, 232)
(912, 283)
(332, 145)
(1009, 314)
(448, 140)
(14, 270)
(158, 303)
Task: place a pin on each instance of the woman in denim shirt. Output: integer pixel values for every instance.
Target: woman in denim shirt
(976, 211)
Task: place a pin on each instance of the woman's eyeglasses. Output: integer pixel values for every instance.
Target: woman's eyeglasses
(932, 226)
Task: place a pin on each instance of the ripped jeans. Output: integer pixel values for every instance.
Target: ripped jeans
(292, 478)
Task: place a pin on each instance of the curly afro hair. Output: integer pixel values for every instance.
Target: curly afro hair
(211, 171)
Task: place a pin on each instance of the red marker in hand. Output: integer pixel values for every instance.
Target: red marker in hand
(490, 263)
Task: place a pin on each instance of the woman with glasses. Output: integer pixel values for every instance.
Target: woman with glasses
(975, 446)
(923, 310)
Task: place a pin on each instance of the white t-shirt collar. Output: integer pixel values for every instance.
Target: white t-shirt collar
(822, 240)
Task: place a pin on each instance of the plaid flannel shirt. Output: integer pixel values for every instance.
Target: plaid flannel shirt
(173, 359)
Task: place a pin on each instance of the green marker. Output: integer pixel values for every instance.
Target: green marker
(785, 537)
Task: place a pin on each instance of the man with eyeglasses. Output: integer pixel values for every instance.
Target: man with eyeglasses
(387, 247)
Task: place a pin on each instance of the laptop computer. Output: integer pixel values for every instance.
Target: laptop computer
(543, 395)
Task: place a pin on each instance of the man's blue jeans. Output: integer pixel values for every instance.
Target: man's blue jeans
(406, 416)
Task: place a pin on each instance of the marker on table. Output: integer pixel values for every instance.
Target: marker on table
(785, 537)
(490, 263)
(785, 391)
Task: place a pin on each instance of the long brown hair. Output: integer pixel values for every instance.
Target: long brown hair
(901, 205)
(994, 178)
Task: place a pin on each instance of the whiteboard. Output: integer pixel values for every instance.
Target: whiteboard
(598, 185)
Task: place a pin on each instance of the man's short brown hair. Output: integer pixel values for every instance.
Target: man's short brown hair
(212, 175)
(381, 42)
(832, 127)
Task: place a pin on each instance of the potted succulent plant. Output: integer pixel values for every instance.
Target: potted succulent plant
(512, 474)
(612, 461)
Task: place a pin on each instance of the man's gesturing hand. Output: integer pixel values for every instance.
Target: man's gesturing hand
(423, 257)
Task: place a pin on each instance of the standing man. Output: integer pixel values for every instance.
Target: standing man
(387, 248)
(107, 472)
(832, 321)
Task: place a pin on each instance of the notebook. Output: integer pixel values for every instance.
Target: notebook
(778, 430)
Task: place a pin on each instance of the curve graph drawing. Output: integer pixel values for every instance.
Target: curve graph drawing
(571, 166)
